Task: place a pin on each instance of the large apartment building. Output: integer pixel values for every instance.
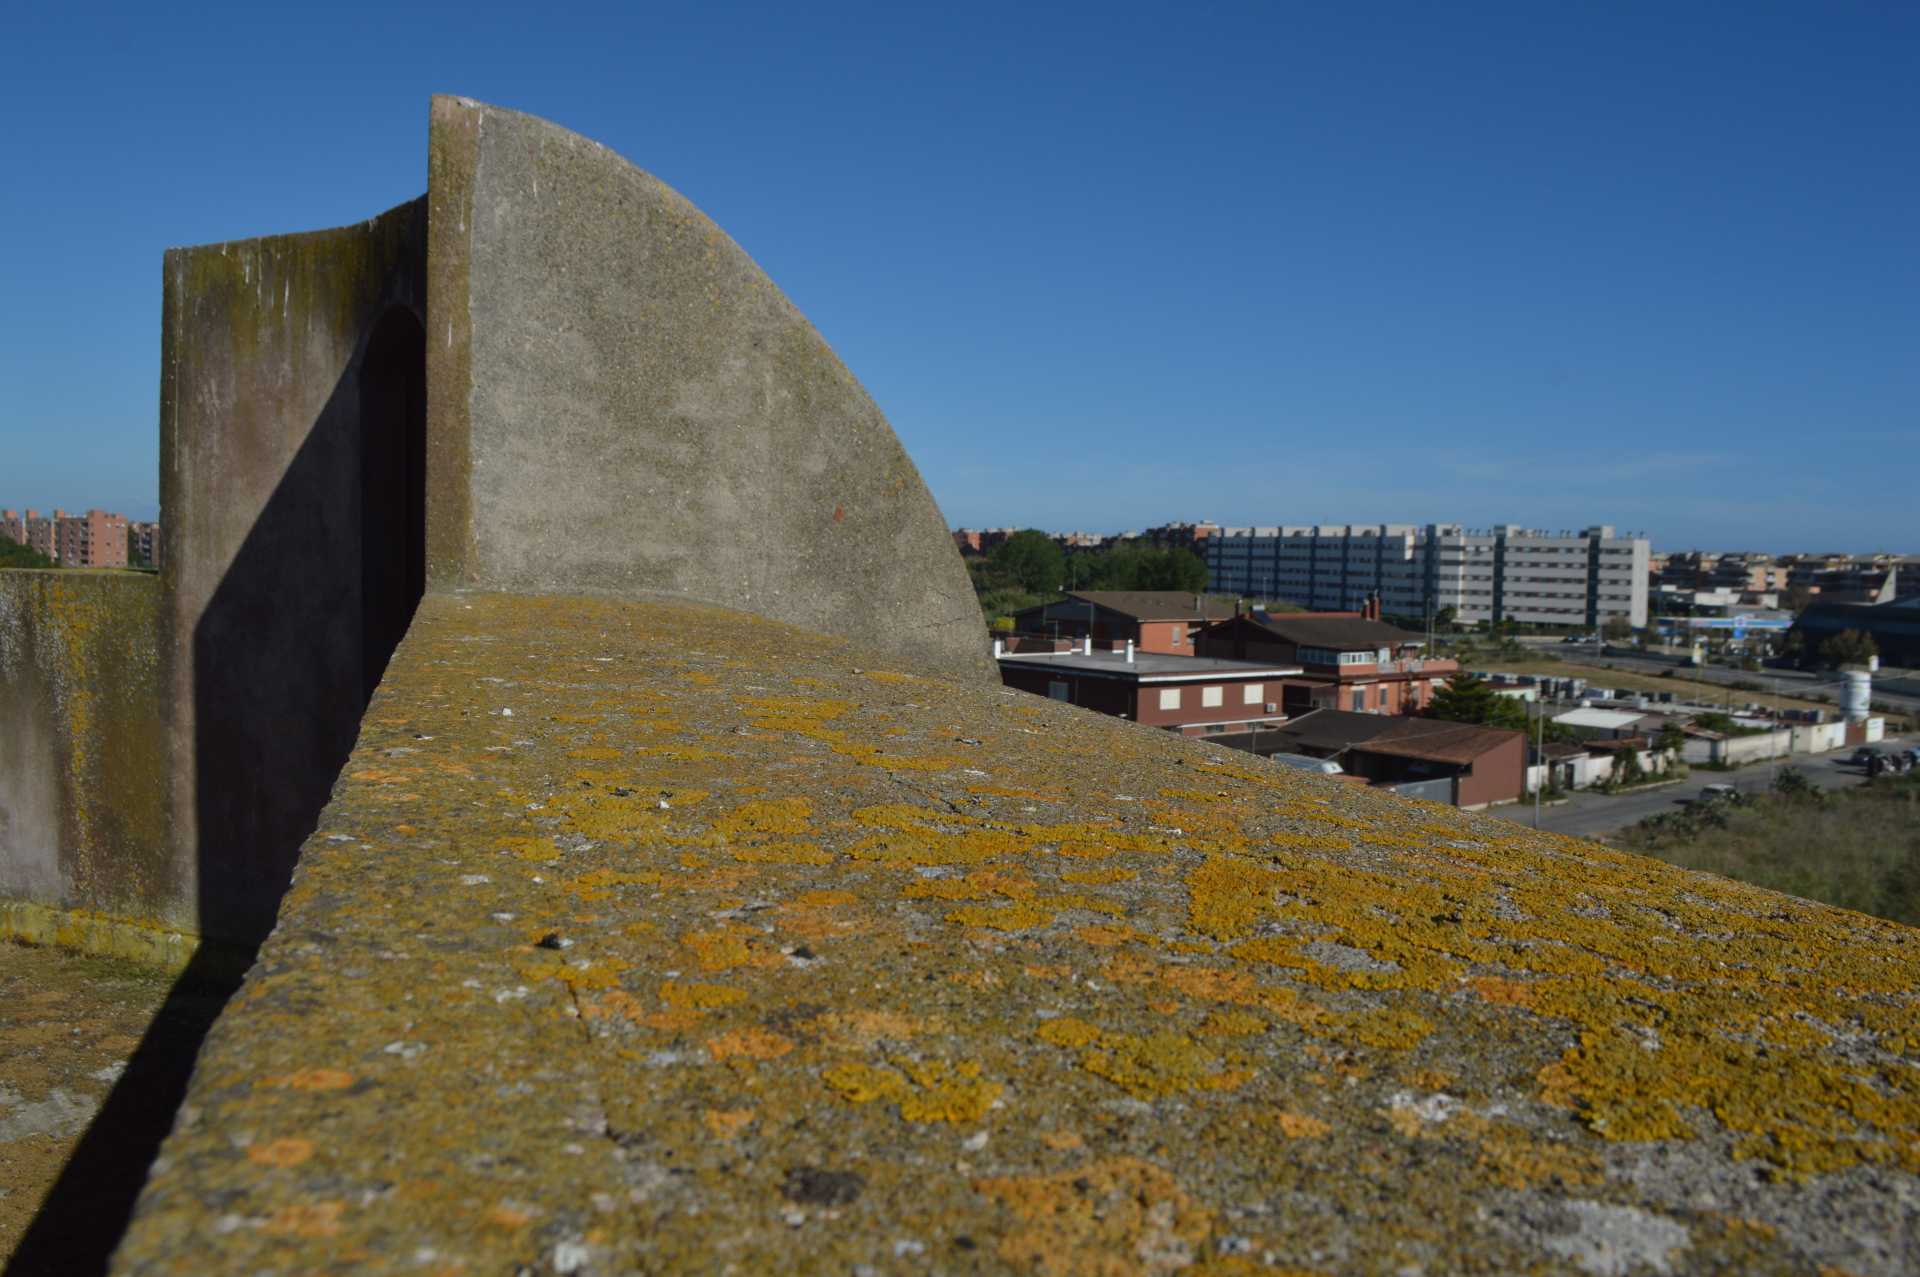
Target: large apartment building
(1500, 573)
(96, 539)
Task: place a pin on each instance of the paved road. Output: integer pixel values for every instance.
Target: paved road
(1786, 682)
(1588, 814)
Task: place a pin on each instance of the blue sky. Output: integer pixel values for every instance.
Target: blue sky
(1653, 264)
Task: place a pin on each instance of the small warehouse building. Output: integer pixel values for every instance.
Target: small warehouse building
(1460, 763)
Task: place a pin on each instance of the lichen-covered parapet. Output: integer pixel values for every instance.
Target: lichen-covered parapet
(83, 790)
(624, 403)
(649, 937)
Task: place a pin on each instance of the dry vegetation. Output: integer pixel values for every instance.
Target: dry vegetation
(1856, 848)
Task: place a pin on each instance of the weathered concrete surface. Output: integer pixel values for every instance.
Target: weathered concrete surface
(83, 792)
(262, 487)
(645, 937)
(623, 403)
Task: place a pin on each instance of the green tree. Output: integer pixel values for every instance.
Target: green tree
(1848, 647)
(1466, 699)
(1796, 599)
(1031, 560)
(1671, 739)
(15, 555)
(1618, 629)
(1443, 619)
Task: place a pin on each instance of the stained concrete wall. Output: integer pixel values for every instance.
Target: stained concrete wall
(83, 792)
(263, 471)
(623, 403)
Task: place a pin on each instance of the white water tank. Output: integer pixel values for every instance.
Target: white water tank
(1856, 694)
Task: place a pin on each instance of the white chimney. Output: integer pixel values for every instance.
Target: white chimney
(999, 649)
(1129, 651)
(1086, 646)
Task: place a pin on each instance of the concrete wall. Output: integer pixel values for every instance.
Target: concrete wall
(1819, 738)
(83, 793)
(641, 410)
(264, 472)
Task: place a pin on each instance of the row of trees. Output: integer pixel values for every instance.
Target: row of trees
(15, 555)
(1030, 567)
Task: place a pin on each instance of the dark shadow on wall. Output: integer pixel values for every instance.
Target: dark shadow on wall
(285, 657)
(295, 637)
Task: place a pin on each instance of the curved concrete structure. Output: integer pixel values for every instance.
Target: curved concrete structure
(623, 403)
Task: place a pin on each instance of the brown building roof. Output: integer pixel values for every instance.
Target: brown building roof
(1156, 605)
(1339, 633)
(1427, 738)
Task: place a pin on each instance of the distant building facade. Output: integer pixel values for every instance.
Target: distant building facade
(1503, 573)
(96, 539)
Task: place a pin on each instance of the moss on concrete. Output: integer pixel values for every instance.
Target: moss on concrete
(82, 695)
(649, 937)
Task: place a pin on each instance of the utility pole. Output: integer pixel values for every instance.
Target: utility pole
(1540, 758)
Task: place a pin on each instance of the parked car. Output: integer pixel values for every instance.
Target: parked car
(1718, 794)
(1308, 763)
(1864, 756)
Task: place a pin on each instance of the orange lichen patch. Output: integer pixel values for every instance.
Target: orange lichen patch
(310, 1080)
(594, 753)
(1299, 1126)
(1098, 877)
(1062, 1141)
(923, 1090)
(766, 816)
(817, 915)
(1015, 917)
(724, 947)
(617, 1003)
(1513, 1158)
(863, 1029)
(887, 676)
(783, 853)
(1122, 1217)
(583, 720)
(1226, 895)
(750, 1043)
(528, 847)
(1389, 1028)
(1501, 992)
(507, 1217)
(306, 1219)
(727, 1123)
(700, 997)
(289, 1151)
(1230, 1024)
(945, 889)
(1163, 1063)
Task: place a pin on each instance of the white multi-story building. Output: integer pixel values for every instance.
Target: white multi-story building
(1503, 573)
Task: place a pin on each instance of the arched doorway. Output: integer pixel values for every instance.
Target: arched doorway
(393, 486)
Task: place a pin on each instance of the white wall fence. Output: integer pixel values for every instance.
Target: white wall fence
(1585, 770)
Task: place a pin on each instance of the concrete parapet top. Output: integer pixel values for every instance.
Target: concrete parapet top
(649, 937)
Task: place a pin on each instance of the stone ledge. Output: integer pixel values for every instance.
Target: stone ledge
(653, 937)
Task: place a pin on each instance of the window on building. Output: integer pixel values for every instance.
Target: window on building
(1169, 698)
(1178, 634)
(1057, 689)
(1359, 699)
(1250, 693)
(1211, 697)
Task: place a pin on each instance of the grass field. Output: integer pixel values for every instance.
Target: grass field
(1856, 848)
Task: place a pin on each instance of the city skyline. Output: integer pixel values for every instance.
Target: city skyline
(1102, 267)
